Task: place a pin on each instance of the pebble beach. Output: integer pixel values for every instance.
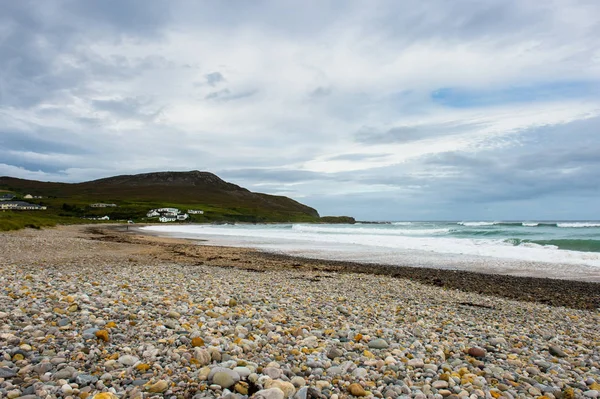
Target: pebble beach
(86, 313)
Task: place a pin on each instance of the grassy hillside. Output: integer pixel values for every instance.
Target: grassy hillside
(136, 194)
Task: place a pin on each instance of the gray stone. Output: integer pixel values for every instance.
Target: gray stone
(64, 374)
(86, 379)
(7, 373)
(334, 352)
(555, 350)
(378, 343)
(302, 393)
(64, 322)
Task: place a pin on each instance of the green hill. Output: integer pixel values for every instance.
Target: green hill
(136, 194)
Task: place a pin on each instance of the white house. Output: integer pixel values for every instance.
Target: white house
(100, 205)
(195, 212)
(182, 217)
(168, 210)
(21, 206)
(28, 196)
(152, 214)
(165, 219)
(104, 218)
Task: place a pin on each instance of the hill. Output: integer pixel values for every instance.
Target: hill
(135, 194)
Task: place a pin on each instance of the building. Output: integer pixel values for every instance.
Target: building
(28, 196)
(195, 212)
(152, 213)
(7, 197)
(20, 206)
(182, 217)
(100, 205)
(165, 219)
(168, 210)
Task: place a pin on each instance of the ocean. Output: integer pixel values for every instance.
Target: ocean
(562, 249)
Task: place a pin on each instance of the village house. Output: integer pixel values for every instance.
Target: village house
(182, 217)
(28, 196)
(165, 219)
(20, 206)
(7, 197)
(168, 210)
(195, 212)
(101, 205)
(152, 213)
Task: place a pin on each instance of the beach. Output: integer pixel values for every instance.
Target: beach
(100, 311)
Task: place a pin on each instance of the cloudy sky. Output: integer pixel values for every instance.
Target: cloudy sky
(397, 110)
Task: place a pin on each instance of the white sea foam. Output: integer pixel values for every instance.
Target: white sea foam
(365, 241)
(402, 223)
(530, 224)
(476, 224)
(578, 224)
(312, 228)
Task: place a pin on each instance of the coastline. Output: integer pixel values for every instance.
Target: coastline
(96, 312)
(552, 291)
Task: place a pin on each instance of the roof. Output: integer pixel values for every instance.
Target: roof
(20, 203)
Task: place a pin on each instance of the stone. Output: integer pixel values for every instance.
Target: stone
(7, 373)
(378, 343)
(302, 393)
(102, 335)
(65, 321)
(223, 379)
(334, 353)
(15, 393)
(287, 387)
(128, 360)
(105, 395)
(416, 363)
(241, 388)
(64, 374)
(357, 390)
(476, 351)
(440, 384)
(273, 372)
(360, 372)
(243, 372)
(202, 356)
(197, 341)
(158, 387)
(234, 376)
(298, 382)
(592, 393)
(85, 379)
(555, 350)
(272, 393)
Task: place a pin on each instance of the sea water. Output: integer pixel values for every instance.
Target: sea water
(565, 249)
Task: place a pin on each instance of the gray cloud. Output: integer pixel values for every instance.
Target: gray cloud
(404, 134)
(213, 78)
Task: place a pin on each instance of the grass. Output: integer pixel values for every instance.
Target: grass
(16, 220)
(77, 210)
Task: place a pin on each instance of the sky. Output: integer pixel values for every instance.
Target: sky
(382, 110)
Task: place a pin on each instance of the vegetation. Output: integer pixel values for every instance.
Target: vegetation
(136, 195)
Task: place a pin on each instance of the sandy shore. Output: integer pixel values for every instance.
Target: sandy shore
(89, 312)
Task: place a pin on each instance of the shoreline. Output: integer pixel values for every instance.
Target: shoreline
(555, 292)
